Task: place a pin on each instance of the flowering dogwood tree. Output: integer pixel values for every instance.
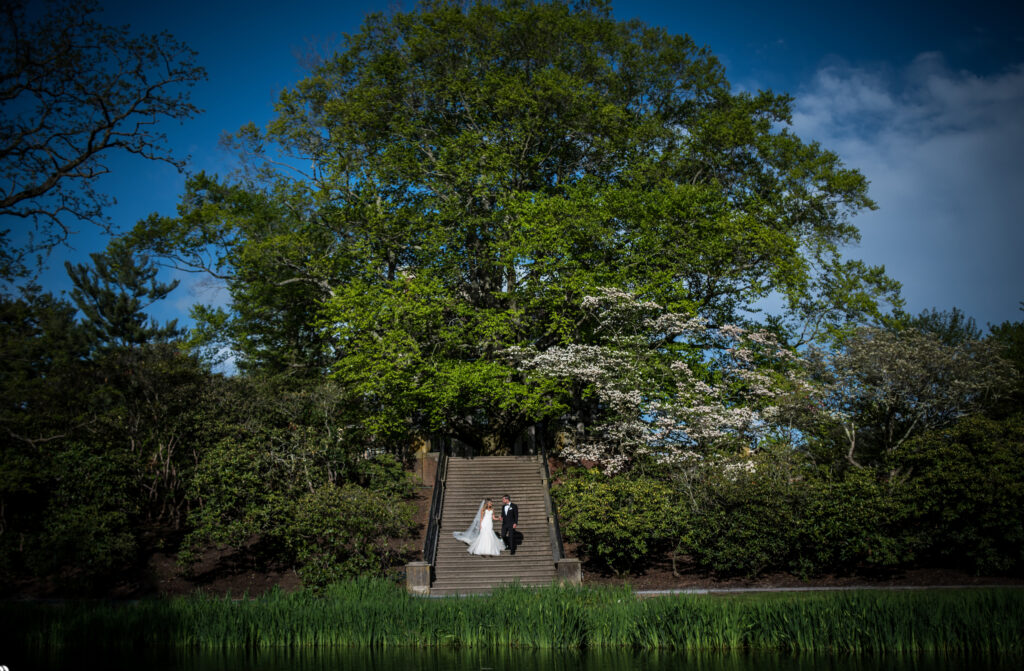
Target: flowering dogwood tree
(667, 385)
(883, 387)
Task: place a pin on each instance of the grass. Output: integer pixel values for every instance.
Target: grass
(378, 614)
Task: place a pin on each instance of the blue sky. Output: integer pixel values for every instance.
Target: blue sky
(926, 99)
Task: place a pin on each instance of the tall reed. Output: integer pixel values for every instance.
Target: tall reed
(373, 613)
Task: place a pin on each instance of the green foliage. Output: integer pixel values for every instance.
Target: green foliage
(113, 295)
(773, 512)
(479, 169)
(744, 515)
(1009, 337)
(617, 522)
(285, 482)
(42, 354)
(44, 381)
(952, 327)
(89, 529)
(99, 442)
(882, 387)
(967, 489)
(343, 532)
(384, 473)
(851, 521)
(278, 263)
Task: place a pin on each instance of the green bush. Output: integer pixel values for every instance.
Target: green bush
(771, 512)
(618, 523)
(294, 503)
(850, 521)
(385, 473)
(88, 529)
(344, 532)
(744, 517)
(951, 498)
(966, 486)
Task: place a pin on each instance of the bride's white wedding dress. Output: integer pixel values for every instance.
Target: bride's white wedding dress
(480, 535)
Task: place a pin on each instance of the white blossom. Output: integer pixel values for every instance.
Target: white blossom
(721, 401)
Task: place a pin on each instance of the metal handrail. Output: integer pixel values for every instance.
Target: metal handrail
(434, 517)
(554, 525)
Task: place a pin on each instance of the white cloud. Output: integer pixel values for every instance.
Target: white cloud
(944, 152)
(199, 288)
(193, 288)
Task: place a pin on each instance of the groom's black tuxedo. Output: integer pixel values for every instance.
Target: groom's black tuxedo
(509, 518)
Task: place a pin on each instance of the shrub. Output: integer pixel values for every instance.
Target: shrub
(744, 517)
(618, 522)
(294, 502)
(343, 532)
(967, 491)
(850, 521)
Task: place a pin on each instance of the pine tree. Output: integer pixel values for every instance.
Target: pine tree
(114, 293)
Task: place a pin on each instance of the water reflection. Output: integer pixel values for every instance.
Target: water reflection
(490, 660)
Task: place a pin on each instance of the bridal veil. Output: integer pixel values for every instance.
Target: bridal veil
(471, 534)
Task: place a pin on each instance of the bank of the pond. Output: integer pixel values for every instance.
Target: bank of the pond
(369, 613)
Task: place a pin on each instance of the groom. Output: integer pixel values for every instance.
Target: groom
(509, 521)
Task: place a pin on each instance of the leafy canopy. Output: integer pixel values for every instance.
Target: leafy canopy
(455, 180)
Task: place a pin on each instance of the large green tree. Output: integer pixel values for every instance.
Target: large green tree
(465, 174)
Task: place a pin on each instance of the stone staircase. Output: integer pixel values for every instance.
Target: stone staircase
(469, 481)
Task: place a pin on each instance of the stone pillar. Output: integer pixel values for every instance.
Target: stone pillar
(426, 468)
(569, 571)
(426, 461)
(417, 578)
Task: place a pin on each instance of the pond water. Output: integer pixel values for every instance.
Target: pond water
(489, 660)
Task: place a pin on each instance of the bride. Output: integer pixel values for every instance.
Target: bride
(480, 535)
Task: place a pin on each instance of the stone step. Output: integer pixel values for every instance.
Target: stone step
(488, 467)
(473, 489)
(455, 591)
(474, 493)
(497, 486)
(484, 464)
(468, 572)
(472, 505)
(527, 556)
(471, 492)
(495, 490)
(530, 539)
(528, 544)
(441, 587)
(491, 567)
(525, 458)
(495, 471)
(492, 491)
(455, 587)
(468, 577)
(468, 509)
(459, 520)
